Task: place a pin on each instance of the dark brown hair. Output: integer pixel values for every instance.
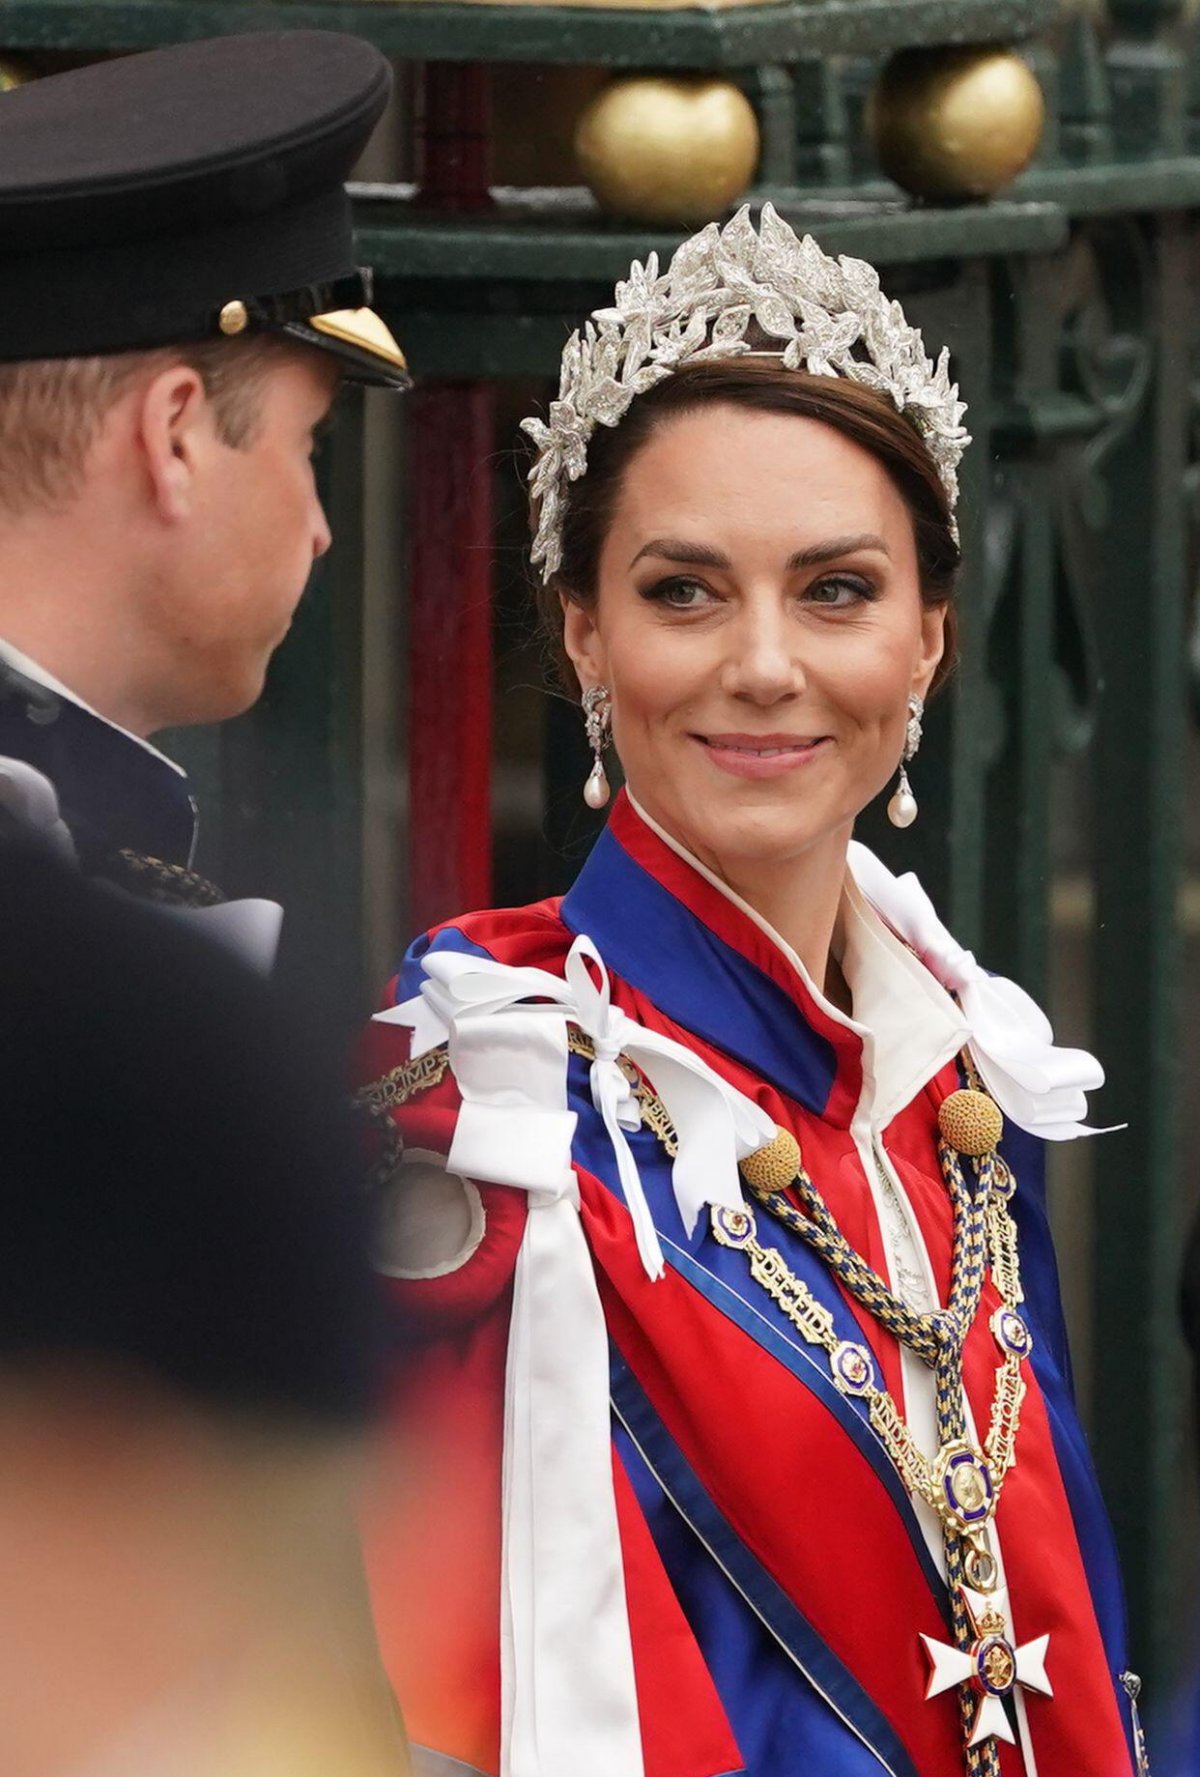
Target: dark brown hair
(863, 415)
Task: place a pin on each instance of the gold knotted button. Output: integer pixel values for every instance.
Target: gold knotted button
(774, 1167)
(970, 1122)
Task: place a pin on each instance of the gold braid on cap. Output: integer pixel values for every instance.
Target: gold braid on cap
(829, 316)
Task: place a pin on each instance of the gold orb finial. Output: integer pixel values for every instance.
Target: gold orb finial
(970, 1122)
(675, 150)
(234, 318)
(773, 1167)
(956, 122)
(14, 73)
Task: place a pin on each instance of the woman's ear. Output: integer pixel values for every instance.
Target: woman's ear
(582, 641)
(933, 646)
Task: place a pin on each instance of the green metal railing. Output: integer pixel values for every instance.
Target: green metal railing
(1055, 768)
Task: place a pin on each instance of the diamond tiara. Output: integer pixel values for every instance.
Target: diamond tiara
(830, 317)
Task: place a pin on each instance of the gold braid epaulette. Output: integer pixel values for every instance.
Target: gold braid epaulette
(172, 884)
(379, 1098)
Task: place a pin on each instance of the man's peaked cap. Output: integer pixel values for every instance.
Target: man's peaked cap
(191, 192)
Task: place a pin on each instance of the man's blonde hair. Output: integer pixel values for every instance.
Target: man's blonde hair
(52, 409)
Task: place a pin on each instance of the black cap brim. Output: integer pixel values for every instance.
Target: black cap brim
(361, 341)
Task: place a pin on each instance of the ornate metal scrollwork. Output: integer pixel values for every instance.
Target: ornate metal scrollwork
(1080, 357)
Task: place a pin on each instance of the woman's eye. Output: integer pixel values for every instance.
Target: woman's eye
(839, 590)
(680, 594)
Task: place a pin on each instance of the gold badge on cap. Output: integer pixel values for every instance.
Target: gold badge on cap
(234, 318)
(362, 328)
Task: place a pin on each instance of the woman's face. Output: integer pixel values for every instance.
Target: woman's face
(759, 624)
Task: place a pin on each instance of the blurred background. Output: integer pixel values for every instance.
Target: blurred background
(1025, 175)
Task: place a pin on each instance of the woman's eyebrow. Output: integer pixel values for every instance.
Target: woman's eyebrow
(833, 550)
(695, 555)
(700, 555)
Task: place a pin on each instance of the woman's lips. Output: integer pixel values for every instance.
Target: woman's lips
(761, 755)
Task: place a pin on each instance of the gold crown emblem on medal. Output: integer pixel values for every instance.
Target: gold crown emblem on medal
(970, 1122)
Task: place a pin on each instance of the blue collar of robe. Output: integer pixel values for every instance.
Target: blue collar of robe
(642, 914)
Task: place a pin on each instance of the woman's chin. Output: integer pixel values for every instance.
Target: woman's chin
(754, 837)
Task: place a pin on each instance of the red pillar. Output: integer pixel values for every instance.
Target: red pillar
(450, 660)
(454, 136)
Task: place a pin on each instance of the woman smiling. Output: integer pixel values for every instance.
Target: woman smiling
(740, 1437)
(756, 599)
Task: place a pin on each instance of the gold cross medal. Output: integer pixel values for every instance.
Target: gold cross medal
(992, 1666)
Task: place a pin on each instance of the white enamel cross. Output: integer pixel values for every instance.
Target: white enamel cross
(992, 1666)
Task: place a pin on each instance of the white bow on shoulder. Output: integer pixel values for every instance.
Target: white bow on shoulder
(1040, 1086)
(489, 1014)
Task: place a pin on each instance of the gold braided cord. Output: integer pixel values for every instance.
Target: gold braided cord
(984, 1238)
(771, 1271)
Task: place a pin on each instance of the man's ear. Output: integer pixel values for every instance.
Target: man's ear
(581, 638)
(174, 427)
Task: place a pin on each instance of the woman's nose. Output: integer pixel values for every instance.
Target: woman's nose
(763, 661)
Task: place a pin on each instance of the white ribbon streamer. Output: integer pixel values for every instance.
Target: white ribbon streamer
(568, 1690)
(1039, 1086)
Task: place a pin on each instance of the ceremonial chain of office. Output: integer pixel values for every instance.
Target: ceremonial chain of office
(963, 1483)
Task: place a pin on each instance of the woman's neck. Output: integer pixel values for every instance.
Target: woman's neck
(798, 898)
(800, 902)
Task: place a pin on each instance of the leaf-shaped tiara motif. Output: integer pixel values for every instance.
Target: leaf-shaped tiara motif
(829, 316)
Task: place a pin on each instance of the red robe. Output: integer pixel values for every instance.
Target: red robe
(777, 1577)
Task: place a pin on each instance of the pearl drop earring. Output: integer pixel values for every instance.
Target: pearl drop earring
(597, 710)
(902, 808)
